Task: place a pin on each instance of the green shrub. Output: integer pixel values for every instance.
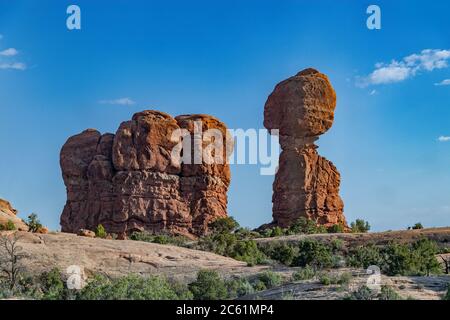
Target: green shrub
(100, 232)
(305, 226)
(365, 256)
(2, 227)
(10, 226)
(360, 226)
(424, 253)
(239, 287)
(208, 286)
(246, 234)
(418, 258)
(305, 273)
(247, 251)
(362, 293)
(146, 236)
(329, 279)
(33, 223)
(387, 293)
(314, 254)
(336, 228)
(224, 225)
(131, 287)
(277, 232)
(417, 226)
(52, 285)
(282, 252)
(270, 279)
(258, 285)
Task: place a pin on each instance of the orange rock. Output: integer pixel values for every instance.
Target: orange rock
(306, 184)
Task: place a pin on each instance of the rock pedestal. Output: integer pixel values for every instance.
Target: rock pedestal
(306, 184)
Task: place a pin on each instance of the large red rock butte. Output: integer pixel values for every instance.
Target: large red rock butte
(306, 184)
(129, 182)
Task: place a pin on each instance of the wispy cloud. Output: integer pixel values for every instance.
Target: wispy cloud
(399, 70)
(373, 92)
(13, 65)
(9, 52)
(120, 101)
(444, 139)
(445, 82)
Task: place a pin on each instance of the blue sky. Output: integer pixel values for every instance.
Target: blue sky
(224, 58)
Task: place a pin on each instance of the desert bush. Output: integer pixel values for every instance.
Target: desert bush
(365, 256)
(305, 273)
(417, 226)
(162, 238)
(239, 287)
(418, 258)
(208, 286)
(247, 251)
(52, 285)
(314, 254)
(10, 226)
(424, 253)
(360, 226)
(224, 225)
(33, 223)
(100, 232)
(270, 279)
(11, 256)
(362, 293)
(336, 228)
(246, 234)
(387, 293)
(131, 287)
(305, 226)
(282, 252)
(329, 279)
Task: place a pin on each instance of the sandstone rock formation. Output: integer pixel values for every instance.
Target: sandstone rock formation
(8, 213)
(131, 182)
(306, 184)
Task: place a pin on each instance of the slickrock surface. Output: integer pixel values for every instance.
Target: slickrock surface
(8, 213)
(306, 184)
(129, 182)
(120, 258)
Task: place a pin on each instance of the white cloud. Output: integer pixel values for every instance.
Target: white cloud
(373, 92)
(13, 65)
(396, 71)
(120, 101)
(444, 139)
(445, 82)
(9, 52)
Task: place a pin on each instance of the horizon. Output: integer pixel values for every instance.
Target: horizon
(390, 139)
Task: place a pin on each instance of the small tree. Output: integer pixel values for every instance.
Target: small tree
(33, 223)
(224, 225)
(446, 261)
(100, 232)
(10, 226)
(208, 286)
(11, 255)
(417, 226)
(360, 226)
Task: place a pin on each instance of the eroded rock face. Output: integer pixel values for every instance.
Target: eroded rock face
(129, 181)
(8, 213)
(306, 184)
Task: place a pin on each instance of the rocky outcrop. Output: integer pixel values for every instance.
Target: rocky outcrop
(141, 179)
(301, 108)
(9, 214)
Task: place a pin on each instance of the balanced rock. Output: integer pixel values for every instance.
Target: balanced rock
(306, 184)
(139, 178)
